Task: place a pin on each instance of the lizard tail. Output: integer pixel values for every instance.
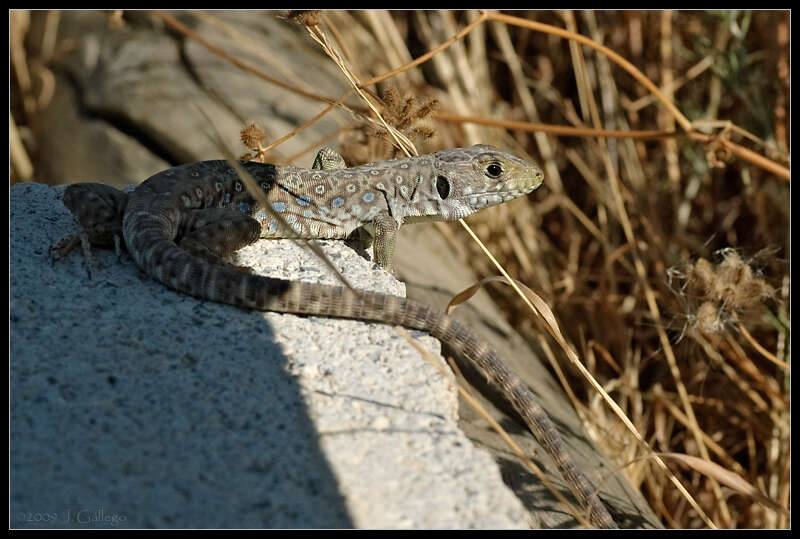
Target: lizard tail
(393, 310)
(466, 344)
(154, 251)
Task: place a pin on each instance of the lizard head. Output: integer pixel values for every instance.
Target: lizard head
(466, 180)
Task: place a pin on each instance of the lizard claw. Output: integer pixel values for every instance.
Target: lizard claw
(245, 269)
(61, 249)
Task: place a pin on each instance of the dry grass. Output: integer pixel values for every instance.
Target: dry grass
(660, 240)
(652, 251)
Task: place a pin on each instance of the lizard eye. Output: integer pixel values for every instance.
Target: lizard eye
(494, 169)
(443, 186)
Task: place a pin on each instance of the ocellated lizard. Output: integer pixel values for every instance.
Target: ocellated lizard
(182, 223)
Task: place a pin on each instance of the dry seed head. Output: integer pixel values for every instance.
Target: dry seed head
(717, 155)
(391, 97)
(252, 136)
(753, 292)
(115, 19)
(727, 289)
(733, 270)
(701, 277)
(308, 17)
(428, 108)
(707, 319)
(406, 115)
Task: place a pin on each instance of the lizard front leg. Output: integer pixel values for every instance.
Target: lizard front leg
(384, 237)
(215, 233)
(381, 233)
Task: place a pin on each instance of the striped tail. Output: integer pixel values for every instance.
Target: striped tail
(157, 254)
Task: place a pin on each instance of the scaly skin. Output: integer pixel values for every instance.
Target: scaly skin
(181, 224)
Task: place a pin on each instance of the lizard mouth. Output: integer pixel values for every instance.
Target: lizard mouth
(485, 199)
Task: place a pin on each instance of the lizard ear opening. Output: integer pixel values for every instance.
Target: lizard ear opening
(443, 186)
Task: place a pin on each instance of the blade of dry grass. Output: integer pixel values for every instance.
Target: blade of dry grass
(446, 71)
(619, 60)
(728, 478)
(641, 274)
(761, 350)
(478, 407)
(581, 258)
(428, 55)
(17, 155)
(319, 36)
(252, 187)
(758, 402)
(403, 142)
(732, 147)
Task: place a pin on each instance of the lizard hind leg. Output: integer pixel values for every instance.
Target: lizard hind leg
(98, 208)
(361, 238)
(216, 233)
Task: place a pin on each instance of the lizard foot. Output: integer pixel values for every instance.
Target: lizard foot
(61, 249)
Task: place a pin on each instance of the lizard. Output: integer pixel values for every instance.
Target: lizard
(181, 225)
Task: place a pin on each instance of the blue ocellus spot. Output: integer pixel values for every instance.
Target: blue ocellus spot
(303, 201)
(338, 201)
(291, 219)
(368, 197)
(308, 214)
(279, 206)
